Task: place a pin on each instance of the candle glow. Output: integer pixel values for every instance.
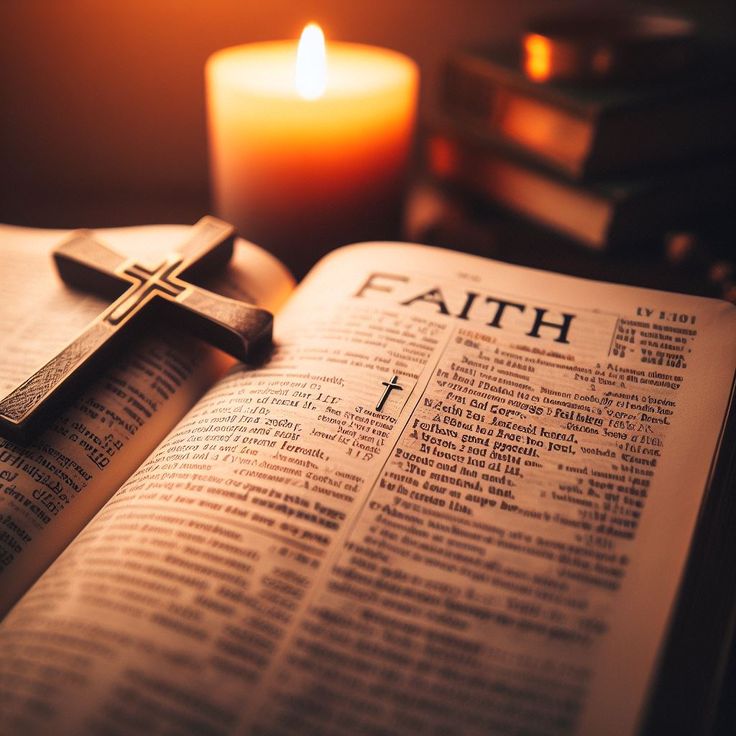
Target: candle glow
(538, 61)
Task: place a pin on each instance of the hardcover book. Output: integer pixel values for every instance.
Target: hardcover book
(592, 131)
(459, 496)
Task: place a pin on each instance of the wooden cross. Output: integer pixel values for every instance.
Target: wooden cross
(237, 328)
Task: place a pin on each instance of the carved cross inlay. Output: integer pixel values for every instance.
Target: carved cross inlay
(238, 328)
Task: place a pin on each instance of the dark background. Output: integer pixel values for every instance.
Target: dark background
(103, 100)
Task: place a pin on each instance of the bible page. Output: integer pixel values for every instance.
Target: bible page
(458, 499)
(51, 486)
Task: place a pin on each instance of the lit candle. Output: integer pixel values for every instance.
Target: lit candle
(308, 148)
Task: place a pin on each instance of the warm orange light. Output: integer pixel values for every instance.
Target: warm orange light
(311, 63)
(537, 61)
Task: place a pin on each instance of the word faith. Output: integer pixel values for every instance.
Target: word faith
(493, 311)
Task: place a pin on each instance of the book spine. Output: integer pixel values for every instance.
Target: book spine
(566, 208)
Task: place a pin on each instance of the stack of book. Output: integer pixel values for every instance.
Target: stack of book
(603, 165)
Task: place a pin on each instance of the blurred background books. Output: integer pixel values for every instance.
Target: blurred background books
(592, 151)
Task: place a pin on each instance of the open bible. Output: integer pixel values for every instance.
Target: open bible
(458, 497)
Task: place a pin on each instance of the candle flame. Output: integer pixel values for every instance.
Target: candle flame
(311, 63)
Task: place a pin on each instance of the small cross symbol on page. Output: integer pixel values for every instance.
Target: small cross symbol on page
(390, 385)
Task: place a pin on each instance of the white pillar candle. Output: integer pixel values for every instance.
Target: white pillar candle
(303, 169)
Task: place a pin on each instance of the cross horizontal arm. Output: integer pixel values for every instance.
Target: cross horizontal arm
(87, 264)
(237, 328)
